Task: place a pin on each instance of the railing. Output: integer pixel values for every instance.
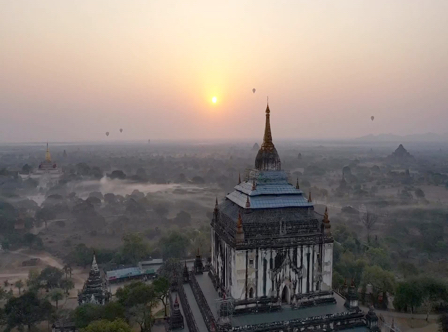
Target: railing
(207, 314)
(341, 321)
(191, 323)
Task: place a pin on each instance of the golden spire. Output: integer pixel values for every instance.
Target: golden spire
(48, 155)
(309, 197)
(297, 184)
(239, 178)
(247, 202)
(267, 138)
(254, 185)
(267, 157)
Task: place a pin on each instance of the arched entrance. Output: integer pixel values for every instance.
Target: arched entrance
(285, 294)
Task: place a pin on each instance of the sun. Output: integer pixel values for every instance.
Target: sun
(214, 100)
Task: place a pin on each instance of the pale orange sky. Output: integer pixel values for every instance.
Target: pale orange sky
(72, 70)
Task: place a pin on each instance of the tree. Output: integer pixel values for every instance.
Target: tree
(66, 285)
(81, 256)
(174, 245)
(56, 295)
(66, 269)
(443, 323)
(118, 174)
(379, 256)
(139, 299)
(95, 201)
(26, 310)
(170, 267)
(182, 218)
(408, 294)
(433, 291)
(419, 193)
(161, 210)
(87, 313)
(117, 325)
(113, 310)
(19, 285)
(369, 220)
(2, 294)
(32, 240)
(45, 214)
(162, 287)
(338, 280)
(33, 281)
(51, 277)
(407, 269)
(381, 280)
(109, 198)
(134, 248)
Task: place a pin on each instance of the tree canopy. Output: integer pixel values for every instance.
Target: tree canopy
(117, 325)
(26, 310)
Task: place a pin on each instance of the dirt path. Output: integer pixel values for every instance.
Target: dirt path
(13, 270)
(43, 256)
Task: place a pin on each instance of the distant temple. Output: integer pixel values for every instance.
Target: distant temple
(48, 170)
(271, 261)
(94, 290)
(400, 155)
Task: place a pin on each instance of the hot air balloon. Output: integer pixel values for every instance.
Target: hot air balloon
(372, 118)
(121, 130)
(107, 133)
(253, 90)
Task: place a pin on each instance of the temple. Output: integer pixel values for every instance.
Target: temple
(94, 290)
(267, 242)
(271, 261)
(48, 170)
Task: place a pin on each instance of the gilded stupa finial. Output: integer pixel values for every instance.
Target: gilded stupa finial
(47, 154)
(309, 197)
(267, 138)
(239, 178)
(267, 157)
(297, 184)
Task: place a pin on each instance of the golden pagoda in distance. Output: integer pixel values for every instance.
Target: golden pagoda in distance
(47, 171)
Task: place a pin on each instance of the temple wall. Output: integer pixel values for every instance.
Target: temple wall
(255, 273)
(250, 271)
(327, 273)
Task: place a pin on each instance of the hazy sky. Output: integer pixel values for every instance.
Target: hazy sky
(72, 70)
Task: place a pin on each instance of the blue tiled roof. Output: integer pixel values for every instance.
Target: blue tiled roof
(269, 201)
(262, 189)
(272, 190)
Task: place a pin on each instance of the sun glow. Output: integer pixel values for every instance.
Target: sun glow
(214, 100)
